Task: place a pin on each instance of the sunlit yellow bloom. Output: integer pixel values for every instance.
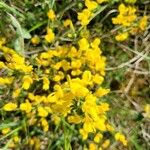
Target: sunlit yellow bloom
(101, 1)
(2, 65)
(69, 23)
(51, 14)
(50, 36)
(27, 81)
(92, 146)
(16, 138)
(103, 107)
(75, 89)
(90, 4)
(42, 112)
(147, 110)
(122, 36)
(143, 23)
(27, 107)
(120, 137)
(5, 130)
(83, 44)
(76, 64)
(74, 119)
(101, 92)
(98, 79)
(126, 15)
(84, 17)
(46, 83)
(10, 106)
(110, 128)
(83, 133)
(6, 80)
(56, 119)
(95, 43)
(98, 137)
(87, 77)
(44, 124)
(16, 93)
(106, 144)
(35, 40)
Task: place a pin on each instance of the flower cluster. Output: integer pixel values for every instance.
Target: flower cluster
(85, 16)
(64, 82)
(128, 20)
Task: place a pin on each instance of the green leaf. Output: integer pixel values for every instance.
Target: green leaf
(26, 34)
(11, 9)
(19, 44)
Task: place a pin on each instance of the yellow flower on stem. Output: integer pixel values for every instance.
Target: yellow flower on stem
(83, 44)
(51, 14)
(50, 36)
(5, 130)
(98, 137)
(69, 23)
(143, 23)
(10, 106)
(91, 5)
(46, 83)
(27, 81)
(120, 137)
(42, 112)
(84, 17)
(106, 144)
(27, 107)
(35, 40)
(122, 36)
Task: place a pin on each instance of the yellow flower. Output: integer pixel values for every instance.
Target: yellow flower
(95, 43)
(69, 23)
(16, 93)
(50, 36)
(16, 138)
(101, 1)
(122, 36)
(91, 4)
(35, 40)
(83, 44)
(51, 14)
(42, 112)
(143, 23)
(27, 81)
(46, 83)
(126, 15)
(103, 107)
(87, 77)
(84, 17)
(74, 119)
(84, 134)
(56, 119)
(120, 137)
(98, 137)
(27, 107)
(44, 124)
(75, 89)
(76, 64)
(2, 65)
(6, 80)
(98, 79)
(106, 144)
(5, 130)
(147, 110)
(92, 146)
(101, 92)
(110, 128)
(9, 106)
